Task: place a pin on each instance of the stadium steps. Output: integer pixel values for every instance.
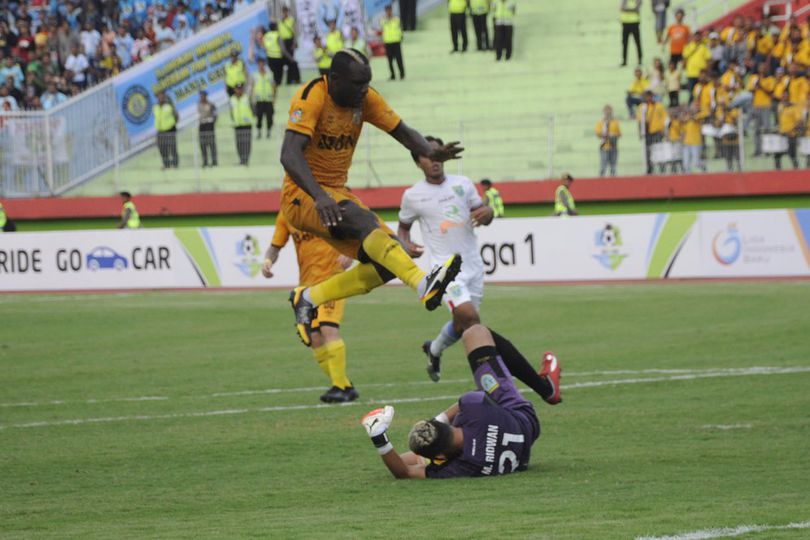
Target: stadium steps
(565, 67)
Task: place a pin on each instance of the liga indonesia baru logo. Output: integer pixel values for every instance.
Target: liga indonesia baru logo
(726, 245)
(609, 241)
(247, 251)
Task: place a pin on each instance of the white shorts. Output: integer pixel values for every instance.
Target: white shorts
(465, 289)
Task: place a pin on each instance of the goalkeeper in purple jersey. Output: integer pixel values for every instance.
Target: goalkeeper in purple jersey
(489, 431)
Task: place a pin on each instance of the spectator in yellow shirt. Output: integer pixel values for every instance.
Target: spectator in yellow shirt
(704, 94)
(673, 82)
(696, 57)
(795, 48)
(692, 140)
(636, 91)
(792, 23)
(608, 132)
(782, 81)
(731, 80)
(761, 87)
(765, 42)
(790, 123)
(652, 121)
(675, 135)
(725, 120)
(807, 126)
(729, 34)
(797, 87)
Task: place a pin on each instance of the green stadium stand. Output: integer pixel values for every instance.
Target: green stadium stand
(526, 119)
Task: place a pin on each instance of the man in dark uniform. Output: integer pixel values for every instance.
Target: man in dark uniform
(489, 431)
(407, 12)
(287, 30)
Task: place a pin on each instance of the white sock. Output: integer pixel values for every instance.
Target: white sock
(307, 296)
(421, 289)
(446, 338)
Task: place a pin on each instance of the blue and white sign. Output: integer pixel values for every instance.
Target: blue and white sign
(183, 70)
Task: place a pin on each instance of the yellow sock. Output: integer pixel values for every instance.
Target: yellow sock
(321, 354)
(388, 252)
(337, 363)
(359, 280)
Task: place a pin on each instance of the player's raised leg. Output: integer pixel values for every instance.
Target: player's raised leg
(464, 316)
(326, 119)
(546, 381)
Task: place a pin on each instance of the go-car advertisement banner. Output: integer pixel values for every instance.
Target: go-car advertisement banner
(644, 246)
(195, 64)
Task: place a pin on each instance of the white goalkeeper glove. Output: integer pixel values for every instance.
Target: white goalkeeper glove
(376, 423)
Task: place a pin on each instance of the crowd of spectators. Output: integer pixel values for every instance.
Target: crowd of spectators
(51, 50)
(751, 73)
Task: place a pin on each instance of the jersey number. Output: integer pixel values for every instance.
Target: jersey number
(508, 454)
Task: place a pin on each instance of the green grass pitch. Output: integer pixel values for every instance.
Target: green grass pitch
(194, 415)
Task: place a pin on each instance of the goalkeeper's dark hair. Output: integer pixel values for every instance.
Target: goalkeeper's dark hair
(429, 438)
(343, 60)
(430, 139)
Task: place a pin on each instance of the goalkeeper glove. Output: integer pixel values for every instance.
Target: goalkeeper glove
(376, 423)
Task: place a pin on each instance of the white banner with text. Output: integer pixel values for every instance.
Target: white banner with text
(757, 243)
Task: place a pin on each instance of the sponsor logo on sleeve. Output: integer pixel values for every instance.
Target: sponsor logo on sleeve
(489, 383)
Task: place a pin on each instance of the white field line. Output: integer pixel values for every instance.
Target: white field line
(728, 532)
(268, 391)
(726, 427)
(281, 408)
(65, 402)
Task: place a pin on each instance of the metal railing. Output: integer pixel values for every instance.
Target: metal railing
(697, 11)
(501, 148)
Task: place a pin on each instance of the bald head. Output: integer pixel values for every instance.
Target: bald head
(349, 77)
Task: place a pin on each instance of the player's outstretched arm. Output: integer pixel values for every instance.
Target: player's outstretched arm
(415, 142)
(405, 466)
(294, 162)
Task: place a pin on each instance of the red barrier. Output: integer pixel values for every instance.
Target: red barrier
(540, 191)
(753, 9)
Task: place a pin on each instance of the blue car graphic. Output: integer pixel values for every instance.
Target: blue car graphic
(104, 257)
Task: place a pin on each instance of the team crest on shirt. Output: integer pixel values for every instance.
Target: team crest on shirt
(296, 115)
(357, 117)
(489, 383)
(459, 190)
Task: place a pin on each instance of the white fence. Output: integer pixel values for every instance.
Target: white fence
(47, 153)
(644, 246)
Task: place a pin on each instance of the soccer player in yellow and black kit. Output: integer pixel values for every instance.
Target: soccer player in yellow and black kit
(317, 261)
(326, 118)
